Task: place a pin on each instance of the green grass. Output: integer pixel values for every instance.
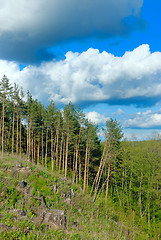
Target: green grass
(93, 220)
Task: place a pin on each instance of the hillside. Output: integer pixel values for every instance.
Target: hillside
(29, 194)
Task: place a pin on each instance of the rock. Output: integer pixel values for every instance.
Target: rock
(72, 192)
(18, 212)
(55, 188)
(19, 165)
(63, 194)
(55, 219)
(68, 201)
(22, 184)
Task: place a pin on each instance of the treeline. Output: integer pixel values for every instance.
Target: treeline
(128, 173)
(62, 140)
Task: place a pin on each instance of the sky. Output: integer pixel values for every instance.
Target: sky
(103, 55)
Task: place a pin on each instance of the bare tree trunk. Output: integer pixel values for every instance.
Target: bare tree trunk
(52, 157)
(63, 156)
(46, 153)
(13, 127)
(99, 169)
(75, 168)
(66, 156)
(61, 149)
(20, 136)
(80, 168)
(98, 179)
(3, 126)
(85, 168)
(34, 147)
(27, 137)
(38, 149)
(1, 129)
(57, 147)
(109, 164)
(42, 143)
(17, 135)
(87, 171)
(30, 139)
(140, 194)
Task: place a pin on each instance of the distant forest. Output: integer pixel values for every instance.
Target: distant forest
(126, 173)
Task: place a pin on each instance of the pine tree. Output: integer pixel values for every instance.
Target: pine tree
(5, 94)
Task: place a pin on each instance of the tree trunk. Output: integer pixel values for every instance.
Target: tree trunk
(20, 137)
(61, 149)
(80, 168)
(52, 157)
(27, 137)
(87, 171)
(63, 156)
(85, 168)
(30, 139)
(13, 127)
(140, 194)
(46, 153)
(38, 149)
(3, 124)
(17, 135)
(34, 147)
(75, 170)
(109, 164)
(99, 169)
(57, 147)
(66, 156)
(42, 143)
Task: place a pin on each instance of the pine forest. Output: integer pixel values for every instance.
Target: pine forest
(117, 172)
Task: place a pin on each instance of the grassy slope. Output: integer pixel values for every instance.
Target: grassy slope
(93, 220)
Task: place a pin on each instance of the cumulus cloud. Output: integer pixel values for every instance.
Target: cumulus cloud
(93, 77)
(120, 111)
(147, 120)
(97, 118)
(28, 27)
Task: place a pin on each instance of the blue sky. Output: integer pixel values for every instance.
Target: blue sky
(103, 55)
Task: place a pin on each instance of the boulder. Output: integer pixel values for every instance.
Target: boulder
(55, 219)
(22, 184)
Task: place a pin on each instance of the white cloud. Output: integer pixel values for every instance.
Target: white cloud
(34, 25)
(96, 117)
(120, 111)
(146, 119)
(93, 77)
